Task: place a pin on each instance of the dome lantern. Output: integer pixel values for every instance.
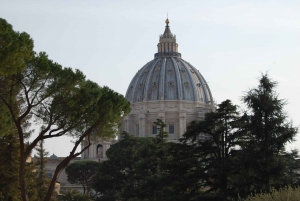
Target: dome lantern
(167, 45)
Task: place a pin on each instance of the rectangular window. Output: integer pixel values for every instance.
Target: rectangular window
(154, 129)
(171, 128)
(137, 130)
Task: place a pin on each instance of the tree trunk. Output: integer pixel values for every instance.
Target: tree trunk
(22, 175)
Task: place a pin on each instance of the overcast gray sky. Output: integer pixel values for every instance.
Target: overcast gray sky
(230, 42)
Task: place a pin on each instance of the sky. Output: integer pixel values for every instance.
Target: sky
(230, 42)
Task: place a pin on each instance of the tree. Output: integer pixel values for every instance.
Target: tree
(81, 173)
(61, 102)
(9, 186)
(116, 177)
(30, 179)
(213, 139)
(147, 169)
(73, 195)
(292, 164)
(268, 130)
(9, 165)
(16, 48)
(42, 179)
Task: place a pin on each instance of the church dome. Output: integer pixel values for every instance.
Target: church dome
(166, 88)
(168, 76)
(53, 156)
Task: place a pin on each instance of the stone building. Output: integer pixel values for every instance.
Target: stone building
(97, 149)
(62, 182)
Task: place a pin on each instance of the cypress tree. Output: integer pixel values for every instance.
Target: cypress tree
(42, 179)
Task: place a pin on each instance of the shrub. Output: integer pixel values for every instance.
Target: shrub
(283, 194)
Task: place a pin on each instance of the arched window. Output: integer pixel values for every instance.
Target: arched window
(99, 151)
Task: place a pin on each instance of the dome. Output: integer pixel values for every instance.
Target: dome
(166, 88)
(168, 76)
(53, 156)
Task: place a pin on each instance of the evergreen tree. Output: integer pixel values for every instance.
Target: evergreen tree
(30, 179)
(42, 179)
(9, 170)
(9, 154)
(268, 130)
(148, 169)
(123, 174)
(214, 139)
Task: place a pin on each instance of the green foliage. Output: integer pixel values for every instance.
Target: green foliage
(110, 108)
(16, 48)
(162, 135)
(31, 183)
(147, 169)
(42, 180)
(81, 173)
(117, 175)
(9, 167)
(5, 119)
(267, 131)
(56, 100)
(291, 164)
(73, 195)
(9, 155)
(213, 140)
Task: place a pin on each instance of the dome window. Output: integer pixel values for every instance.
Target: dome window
(170, 69)
(181, 69)
(140, 85)
(171, 83)
(186, 84)
(192, 71)
(154, 84)
(198, 84)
